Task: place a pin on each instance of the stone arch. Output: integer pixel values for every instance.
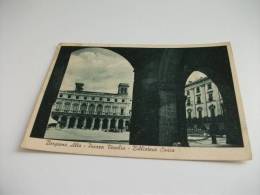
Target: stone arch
(80, 122)
(99, 109)
(72, 121)
(121, 124)
(83, 108)
(91, 109)
(63, 121)
(105, 123)
(88, 123)
(97, 123)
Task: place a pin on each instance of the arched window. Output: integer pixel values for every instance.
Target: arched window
(58, 106)
(99, 109)
(107, 109)
(91, 109)
(83, 108)
(67, 106)
(189, 113)
(114, 110)
(75, 107)
(212, 111)
(199, 109)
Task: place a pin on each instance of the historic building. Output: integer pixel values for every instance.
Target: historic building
(80, 109)
(204, 106)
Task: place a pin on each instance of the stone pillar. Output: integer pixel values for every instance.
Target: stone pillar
(84, 123)
(100, 124)
(76, 122)
(92, 124)
(59, 121)
(124, 127)
(67, 122)
(108, 124)
(116, 125)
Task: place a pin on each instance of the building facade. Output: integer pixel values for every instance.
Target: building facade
(79, 109)
(204, 106)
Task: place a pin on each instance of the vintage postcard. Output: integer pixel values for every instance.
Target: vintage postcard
(141, 101)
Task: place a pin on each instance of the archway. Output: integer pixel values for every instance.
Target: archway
(97, 123)
(80, 122)
(105, 124)
(88, 123)
(72, 122)
(204, 114)
(63, 121)
(113, 124)
(120, 124)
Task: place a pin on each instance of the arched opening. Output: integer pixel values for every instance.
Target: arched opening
(72, 122)
(105, 124)
(80, 122)
(99, 109)
(83, 108)
(97, 123)
(91, 109)
(88, 123)
(120, 124)
(113, 124)
(204, 113)
(63, 121)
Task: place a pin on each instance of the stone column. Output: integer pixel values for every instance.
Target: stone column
(76, 122)
(92, 124)
(84, 123)
(108, 124)
(59, 121)
(67, 122)
(116, 125)
(124, 127)
(100, 124)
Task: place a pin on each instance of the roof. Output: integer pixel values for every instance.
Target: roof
(197, 81)
(90, 92)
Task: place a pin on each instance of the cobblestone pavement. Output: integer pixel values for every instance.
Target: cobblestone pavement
(87, 135)
(120, 138)
(207, 142)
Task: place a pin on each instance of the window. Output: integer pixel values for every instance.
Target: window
(122, 111)
(67, 107)
(198, 99)
(69, 96)
(93, 98)
(58, 106)
(60, 95)
(188, 92)
(100, 99)
(188, 101)
(123, 100)
(210, 97)
(77, 97)
(212, 110)
(91, 109)
(107, 109)
(83, 108)
(198, 89)
(199, 112)
(189, 113)
(114, 110)
(209, 86)
(99, 109)
(115, 100)
(85, 98)
(108, 99)
(75, 107)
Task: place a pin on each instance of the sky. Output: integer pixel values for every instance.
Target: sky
(196, 75)
(99, 69)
